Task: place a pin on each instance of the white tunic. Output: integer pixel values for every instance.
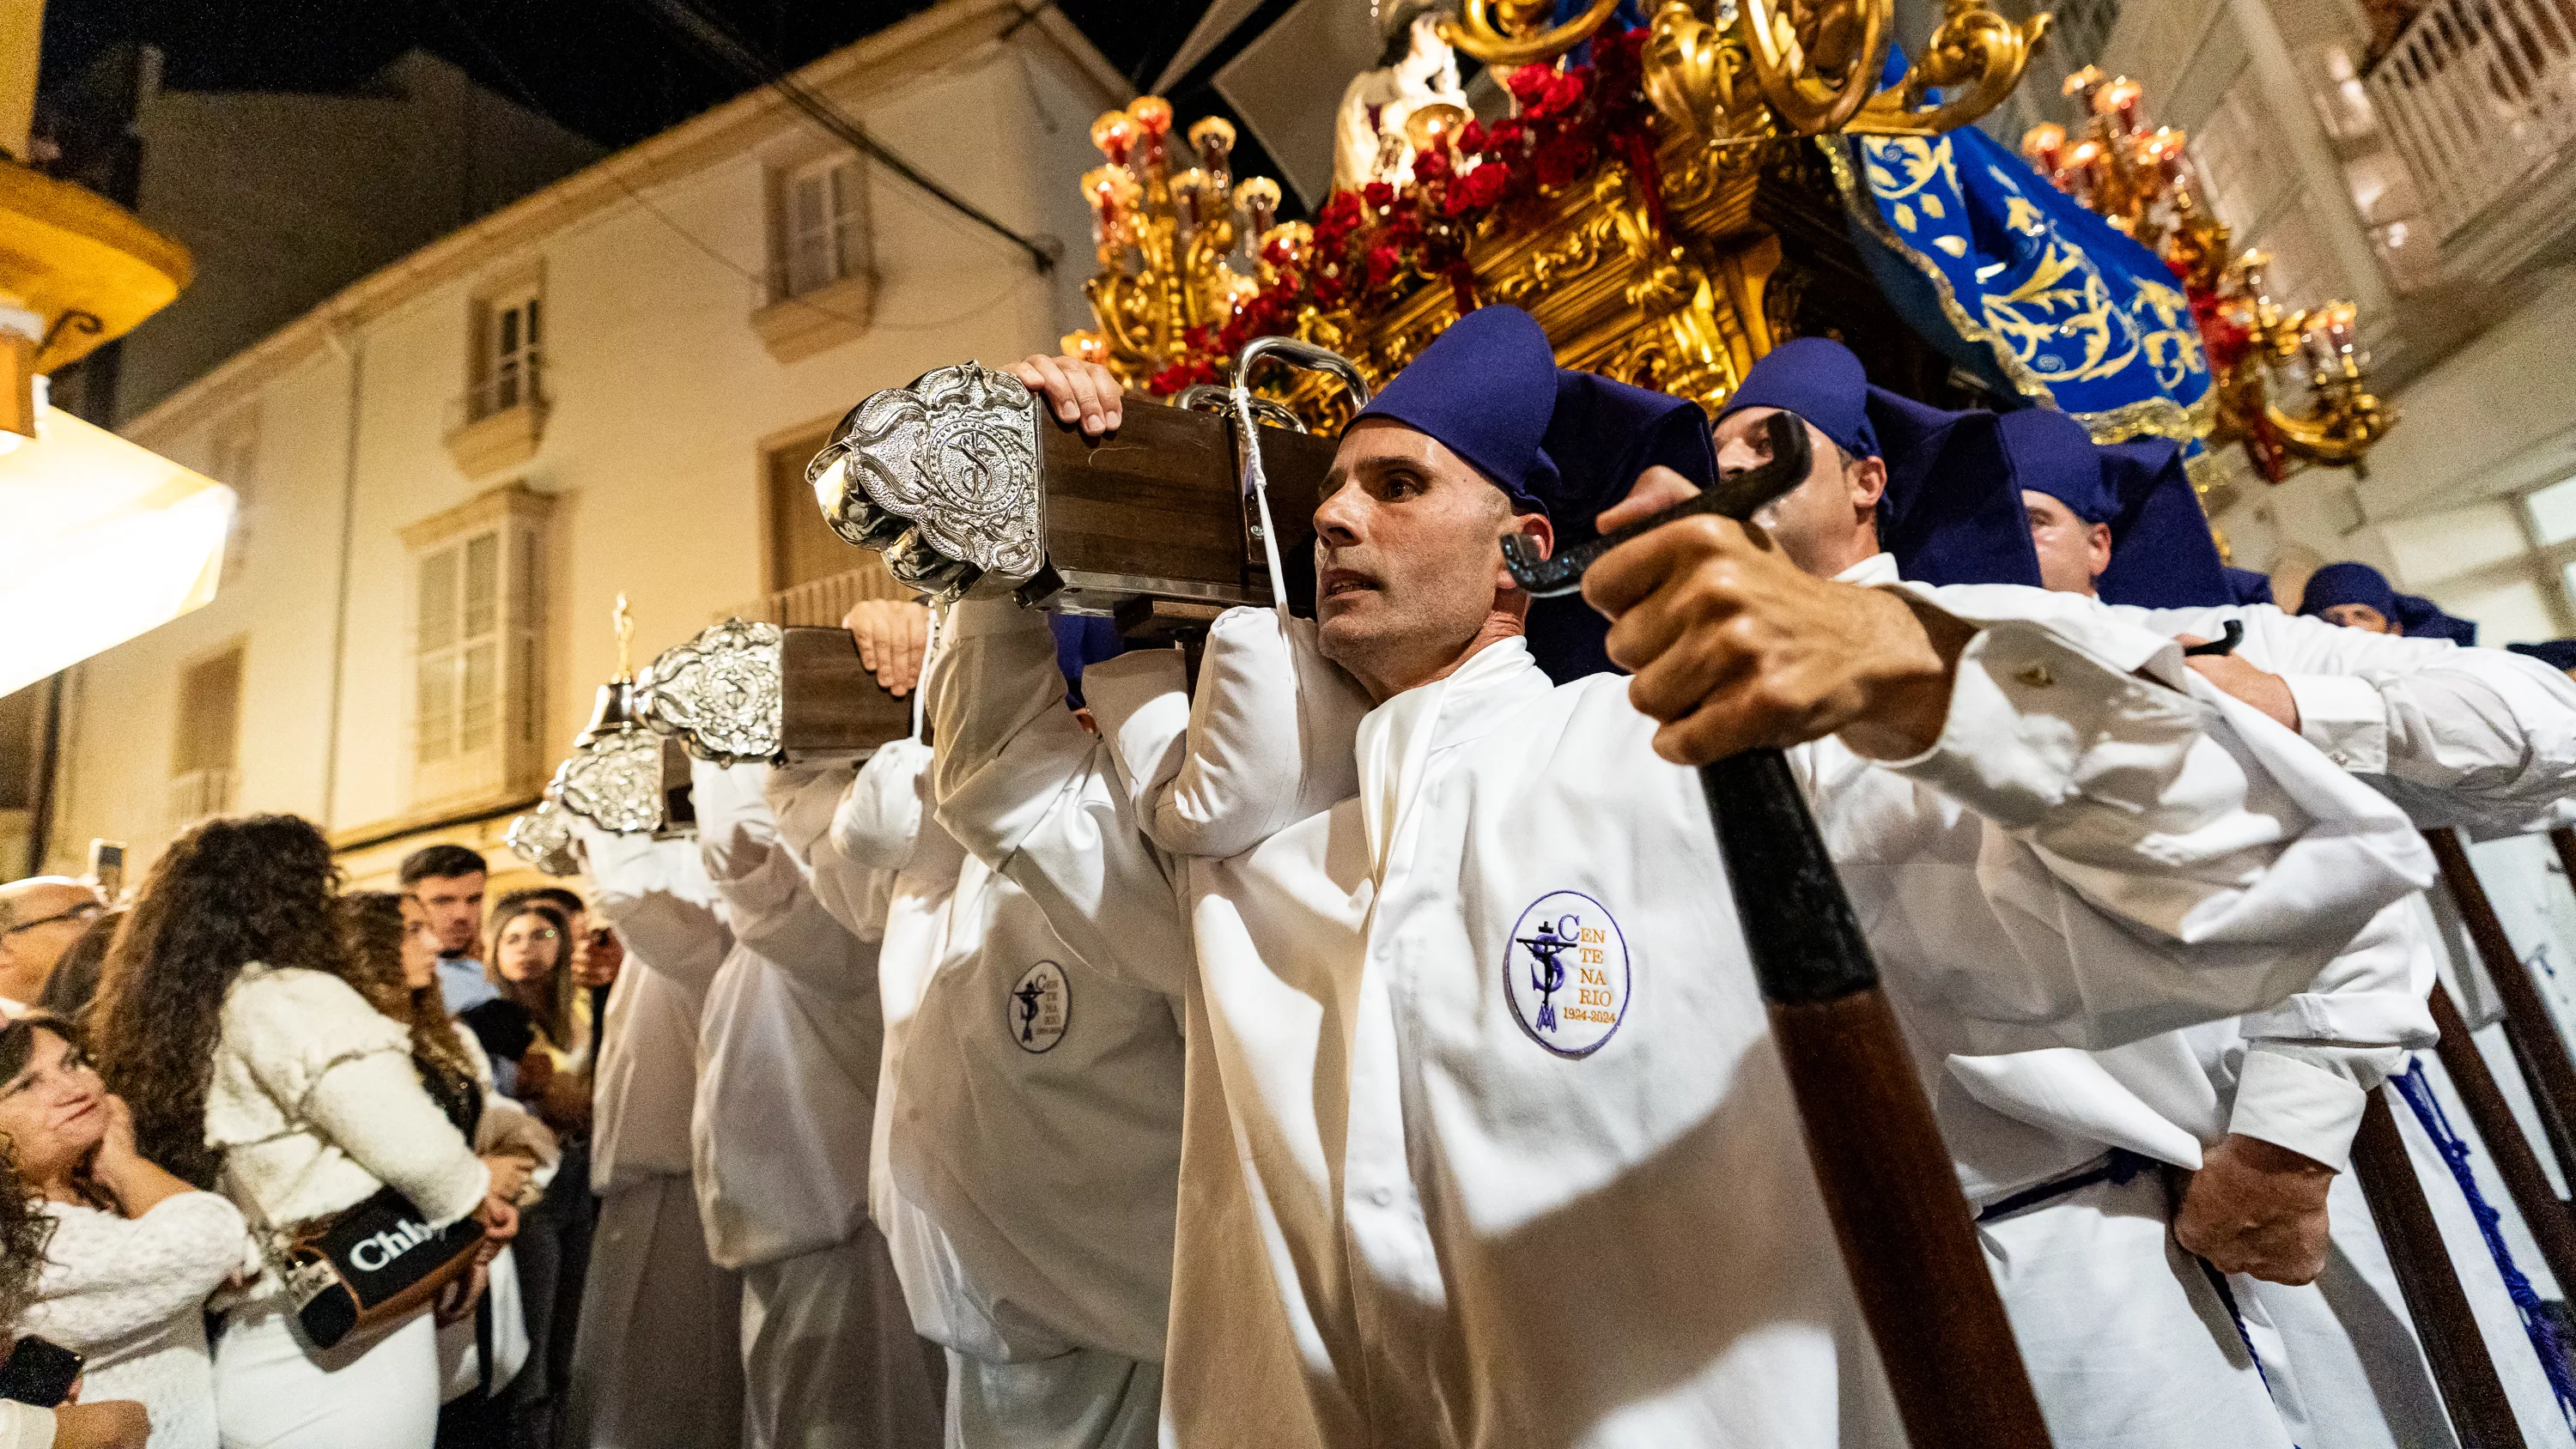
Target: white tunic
(787, 1048)
(1412, 1214)
(1032, 1105)
(656, 893)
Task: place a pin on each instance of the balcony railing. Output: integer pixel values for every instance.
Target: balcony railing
(2480, 95)
(199, 795)
(822, 602)
(516, 383)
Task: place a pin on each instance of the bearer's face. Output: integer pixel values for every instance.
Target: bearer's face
(2072, 553)
(1408, 555)
(2361, 616)
(1821, 523)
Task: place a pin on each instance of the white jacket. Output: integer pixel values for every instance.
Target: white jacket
(656, 893)
(315, 1104)
(1425, 1202)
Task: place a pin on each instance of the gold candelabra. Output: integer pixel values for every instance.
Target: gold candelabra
(1646, 261)
(2143, 183)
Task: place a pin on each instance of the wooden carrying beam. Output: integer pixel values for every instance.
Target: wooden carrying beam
(971, 490)
(831, 709)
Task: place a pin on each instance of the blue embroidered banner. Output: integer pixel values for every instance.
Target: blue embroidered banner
(2023, 286)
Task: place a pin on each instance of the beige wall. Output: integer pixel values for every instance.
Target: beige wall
(662, 394)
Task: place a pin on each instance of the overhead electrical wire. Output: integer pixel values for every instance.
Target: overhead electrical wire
(719, 46)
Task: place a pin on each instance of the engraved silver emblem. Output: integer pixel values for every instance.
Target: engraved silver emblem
(718, 694)
(543, 838)
(614, 780)
(942, 478)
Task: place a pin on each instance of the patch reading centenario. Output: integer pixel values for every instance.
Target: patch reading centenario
(1565, 970)
(1040, 1007)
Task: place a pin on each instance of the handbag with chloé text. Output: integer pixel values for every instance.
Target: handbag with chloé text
(372, 1264)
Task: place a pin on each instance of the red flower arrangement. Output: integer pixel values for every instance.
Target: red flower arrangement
(1375, 246)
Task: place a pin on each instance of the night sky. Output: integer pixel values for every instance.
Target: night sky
(610, 69)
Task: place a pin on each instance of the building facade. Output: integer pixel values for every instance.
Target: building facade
(451, 469)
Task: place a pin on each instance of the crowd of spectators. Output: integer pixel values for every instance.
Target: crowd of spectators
(245, 1050)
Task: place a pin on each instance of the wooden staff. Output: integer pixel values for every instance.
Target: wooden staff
(2524, 1178)
(2565, 840)
(2480, 1412)
(1889, 1187)
(2528, 1026)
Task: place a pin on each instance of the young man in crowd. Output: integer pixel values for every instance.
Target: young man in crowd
(447, 880)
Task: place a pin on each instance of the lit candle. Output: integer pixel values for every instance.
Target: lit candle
(1113, 133)
(1212, 137)
(2044, 144)
(1259, 199)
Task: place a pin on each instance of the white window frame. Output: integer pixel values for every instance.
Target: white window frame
(821, 225)
(473, 690)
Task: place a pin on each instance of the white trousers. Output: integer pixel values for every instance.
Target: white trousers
(460, 1364)
(829, 1357)
(658, 1360)
(1079, 1400)
(2129, 1346)
(272, 1392)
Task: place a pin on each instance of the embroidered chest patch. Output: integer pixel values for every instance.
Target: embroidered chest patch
(1565, 971)
(1040, 1007)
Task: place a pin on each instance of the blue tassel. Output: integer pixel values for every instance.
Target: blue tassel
(2418, 1092)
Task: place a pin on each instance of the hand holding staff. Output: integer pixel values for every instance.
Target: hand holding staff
(1809, 658)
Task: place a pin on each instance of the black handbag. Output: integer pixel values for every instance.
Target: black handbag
(372, 1264)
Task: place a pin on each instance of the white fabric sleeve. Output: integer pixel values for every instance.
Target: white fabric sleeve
(2162, 854)
(373, 1108)
(108, 1277)
(656, 893)
(2343, 716)
(2483, 739)
(1023, 787)
(2310, 1061)
(804, 802)
(1240, 781)
(878, 820)
(764, 888)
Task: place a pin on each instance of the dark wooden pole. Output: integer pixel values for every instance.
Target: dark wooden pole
(2480, 1412)
(2528, 1025)
(2565, 841)
(1888, 1183)
(2516, 1162)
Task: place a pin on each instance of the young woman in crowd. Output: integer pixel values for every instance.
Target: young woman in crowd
(134, 1251)
(225, 1019)
(393, 961)
(530, 963)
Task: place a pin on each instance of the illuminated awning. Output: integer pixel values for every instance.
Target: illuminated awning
(100, 540)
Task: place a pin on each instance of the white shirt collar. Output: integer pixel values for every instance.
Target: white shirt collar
(1878, 568)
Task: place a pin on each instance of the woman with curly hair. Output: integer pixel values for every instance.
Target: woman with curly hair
(225, 1019)
(393, 962)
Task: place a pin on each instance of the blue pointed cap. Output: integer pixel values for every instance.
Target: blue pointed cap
(1818, 379)
(2359, 583)
(2162, 555)
(1950, 514)
(1559, 442)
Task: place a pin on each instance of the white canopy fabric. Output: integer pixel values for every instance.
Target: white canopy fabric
(100, 540)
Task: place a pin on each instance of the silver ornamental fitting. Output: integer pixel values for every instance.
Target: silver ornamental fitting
(543, 838)
(942, 478)
(718, 694)
(615, 781)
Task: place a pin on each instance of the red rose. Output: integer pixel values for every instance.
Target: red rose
(1341, 212)
(1471, 137)
(1561, 162)
(1529, 82)
(1562, 93)
(1383, 262)
(1480, 188)
(1504, 137)
(1378, 195)
(1430, 165)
